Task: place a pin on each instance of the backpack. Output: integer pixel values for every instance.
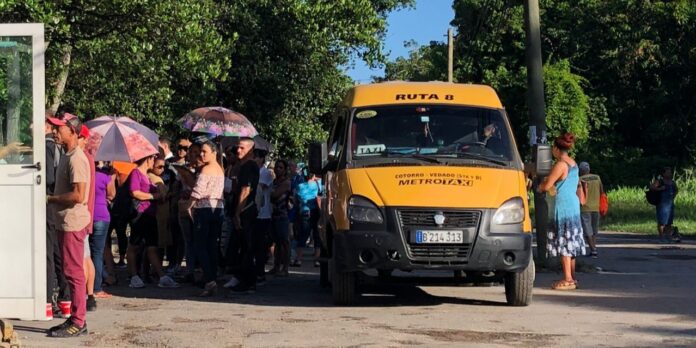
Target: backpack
(653, 197)
(53, 155)
(122, 207)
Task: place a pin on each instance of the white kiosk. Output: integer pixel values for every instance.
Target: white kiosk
(22, 190)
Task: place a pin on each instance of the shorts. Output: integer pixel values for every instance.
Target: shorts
(665, 213)
(281, 230)
(144, 231)
(590, 223)
(87, 252)
(310, 224)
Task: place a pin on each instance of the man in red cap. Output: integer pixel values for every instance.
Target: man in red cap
(72, 217)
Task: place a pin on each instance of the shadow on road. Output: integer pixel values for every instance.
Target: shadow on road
(634, 274)
(303, 290)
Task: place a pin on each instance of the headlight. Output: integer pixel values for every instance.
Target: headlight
(361, 209)
(510, 212)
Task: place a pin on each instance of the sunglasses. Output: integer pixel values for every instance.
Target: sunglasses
(159, 167)
(185, 148)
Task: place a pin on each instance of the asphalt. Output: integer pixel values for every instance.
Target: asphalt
(636, 294)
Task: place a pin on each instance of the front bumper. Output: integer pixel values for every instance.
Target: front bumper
(392, 247)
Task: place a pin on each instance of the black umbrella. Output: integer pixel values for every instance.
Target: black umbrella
(262, 144)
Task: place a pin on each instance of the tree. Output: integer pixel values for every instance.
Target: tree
(633, 60)
(278, 62)
(424, 63)
(287, 76)
(127, 57)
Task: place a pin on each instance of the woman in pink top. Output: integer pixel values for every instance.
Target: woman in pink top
(208, 205)
(144, 226)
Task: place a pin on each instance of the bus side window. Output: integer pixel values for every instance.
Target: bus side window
(337, 139)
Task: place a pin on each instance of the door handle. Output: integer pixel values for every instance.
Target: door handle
(36, 166)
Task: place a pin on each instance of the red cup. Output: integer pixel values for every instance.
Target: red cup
(65, 308)
(49, 311)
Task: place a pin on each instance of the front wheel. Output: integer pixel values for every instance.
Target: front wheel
(518, 286)
(324, 269)
(343, 286)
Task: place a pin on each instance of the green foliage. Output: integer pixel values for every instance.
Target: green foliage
(629, 211)
(287, 76)
(567, 105)
(424, 63)
(279, 63)
(632, 59)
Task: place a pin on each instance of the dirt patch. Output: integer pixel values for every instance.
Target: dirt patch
(677, 257)
(349, 318)
(678, 319)
(414, 313)
(633, 259)
(138, 306)
(180, 320)
(408, 343)
(508, 338)
(297, 320)
(253, 333)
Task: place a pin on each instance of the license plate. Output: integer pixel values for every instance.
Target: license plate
(439, 237)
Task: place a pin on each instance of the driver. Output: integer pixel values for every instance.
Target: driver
(474, 137)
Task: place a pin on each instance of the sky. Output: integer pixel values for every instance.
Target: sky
(428, 21)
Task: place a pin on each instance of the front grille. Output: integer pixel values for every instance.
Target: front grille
(437, 254)
(459, 251)
(426, 218)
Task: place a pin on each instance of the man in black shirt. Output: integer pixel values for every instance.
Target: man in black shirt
(245, 213)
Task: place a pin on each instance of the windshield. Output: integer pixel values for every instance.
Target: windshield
(433, 130)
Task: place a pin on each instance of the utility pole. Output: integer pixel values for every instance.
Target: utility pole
(537, 121)
(450, 55)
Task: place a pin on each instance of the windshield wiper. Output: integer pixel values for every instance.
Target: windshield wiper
(411, 155)
(481, 157)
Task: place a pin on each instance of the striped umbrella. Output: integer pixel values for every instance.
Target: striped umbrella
(219, 121)
(114, 138)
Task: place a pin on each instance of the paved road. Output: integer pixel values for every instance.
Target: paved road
(643, 297)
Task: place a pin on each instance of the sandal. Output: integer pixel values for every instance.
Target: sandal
(563, 285)
(102, 294)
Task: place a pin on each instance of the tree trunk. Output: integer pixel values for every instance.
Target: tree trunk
(62, 80)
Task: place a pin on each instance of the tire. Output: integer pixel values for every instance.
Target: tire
(343, 286)
(518, 286)
(384, 274)
(324, 270)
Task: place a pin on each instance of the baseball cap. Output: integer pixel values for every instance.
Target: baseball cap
(584, 166)
(84, 132)
(66, 119)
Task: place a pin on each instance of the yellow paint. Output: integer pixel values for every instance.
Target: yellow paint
(421, 93)
(456, 187)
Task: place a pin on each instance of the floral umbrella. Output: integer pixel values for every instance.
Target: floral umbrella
(219, 121)
(115, 138)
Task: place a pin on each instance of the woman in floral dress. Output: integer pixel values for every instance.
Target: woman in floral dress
(566, 241)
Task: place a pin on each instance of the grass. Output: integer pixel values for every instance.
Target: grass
(630, 212)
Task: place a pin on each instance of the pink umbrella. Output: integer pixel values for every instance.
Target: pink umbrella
(115, 138)
(219, 121)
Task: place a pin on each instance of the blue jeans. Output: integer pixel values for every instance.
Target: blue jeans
(186, 226)
(207, 224)
(665, 212)
(97, 243)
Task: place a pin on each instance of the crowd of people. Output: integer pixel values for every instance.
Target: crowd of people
(200, 211)
(195, 212)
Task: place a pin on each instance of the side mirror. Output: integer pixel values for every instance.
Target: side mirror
(543, 159)
(317, 156)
